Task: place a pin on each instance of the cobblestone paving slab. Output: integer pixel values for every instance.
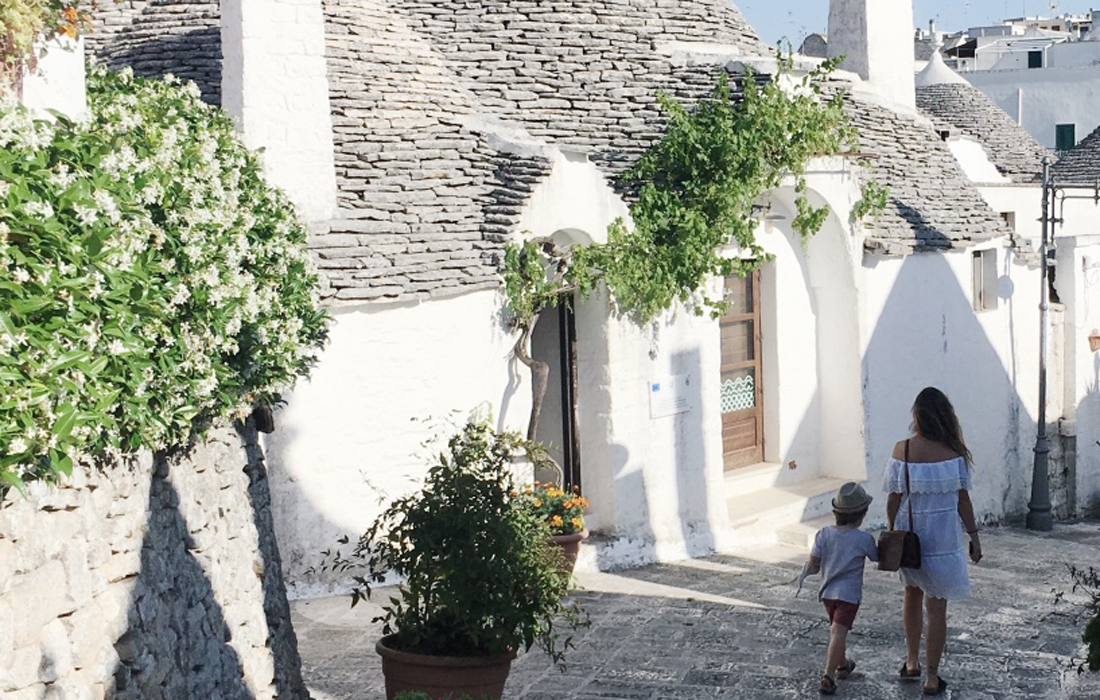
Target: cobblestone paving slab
(730, 627)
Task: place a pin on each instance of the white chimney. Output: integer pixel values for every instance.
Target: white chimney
(275, 86)
(876, 38)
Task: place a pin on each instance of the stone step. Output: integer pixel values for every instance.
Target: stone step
(752, 479)
(756, 518)
(802, 534)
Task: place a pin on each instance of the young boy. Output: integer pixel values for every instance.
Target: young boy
(838, 553)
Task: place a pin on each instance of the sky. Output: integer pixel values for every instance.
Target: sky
(794, 19)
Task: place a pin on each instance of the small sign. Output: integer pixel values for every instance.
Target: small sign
(669, 396)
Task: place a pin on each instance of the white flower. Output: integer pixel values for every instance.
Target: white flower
(86, 215)
(4, 188)
(17, 447)
(20, 275)
(116, 347)
(181, 296)
(42, 210)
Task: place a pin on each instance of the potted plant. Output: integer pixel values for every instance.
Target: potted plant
(480, 578)
(563, 513)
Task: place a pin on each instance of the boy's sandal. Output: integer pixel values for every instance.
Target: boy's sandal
(906, 675)
(828, 685)
(846, 670)
(941, 685)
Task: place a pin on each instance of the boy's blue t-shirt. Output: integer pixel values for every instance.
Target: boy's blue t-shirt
(842, 551)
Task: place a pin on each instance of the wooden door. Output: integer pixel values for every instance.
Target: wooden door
(741, 390)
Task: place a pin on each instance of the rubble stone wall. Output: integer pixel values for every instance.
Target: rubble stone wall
(156, 577)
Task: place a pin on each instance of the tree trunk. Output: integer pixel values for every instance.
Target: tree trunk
(540, 374)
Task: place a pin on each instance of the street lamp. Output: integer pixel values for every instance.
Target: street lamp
(1039, 516)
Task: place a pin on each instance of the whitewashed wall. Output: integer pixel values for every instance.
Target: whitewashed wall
(58, 81)
(921, 330)
(1041, 98)
(352, 434)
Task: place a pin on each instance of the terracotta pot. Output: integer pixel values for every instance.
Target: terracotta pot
(571, 546)
(443, 676)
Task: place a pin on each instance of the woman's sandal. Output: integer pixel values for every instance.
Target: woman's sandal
(906, 675)
(941, 685)
(846, 670)
(828, 685)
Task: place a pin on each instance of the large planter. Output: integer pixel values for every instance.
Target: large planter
(444, 677)
(570, 546)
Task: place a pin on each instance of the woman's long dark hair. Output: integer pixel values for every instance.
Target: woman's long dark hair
(934, 419)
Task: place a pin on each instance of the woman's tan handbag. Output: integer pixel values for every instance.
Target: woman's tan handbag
(900, 549)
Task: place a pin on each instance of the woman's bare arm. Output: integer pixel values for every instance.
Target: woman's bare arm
(966, 513)
(893, 502)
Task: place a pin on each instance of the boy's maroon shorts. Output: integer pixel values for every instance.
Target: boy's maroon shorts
(841, 612)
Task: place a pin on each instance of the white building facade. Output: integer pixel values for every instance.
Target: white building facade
(452, 133)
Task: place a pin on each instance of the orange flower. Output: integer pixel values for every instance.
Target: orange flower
(577, 523)
(556, 521)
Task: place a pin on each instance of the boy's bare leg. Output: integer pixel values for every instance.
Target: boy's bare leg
(835, 657)
(937, 637)
(912, 616)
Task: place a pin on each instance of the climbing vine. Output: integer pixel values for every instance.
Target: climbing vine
(697, 192)
(872, 201)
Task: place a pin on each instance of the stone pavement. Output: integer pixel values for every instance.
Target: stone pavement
(729, 626)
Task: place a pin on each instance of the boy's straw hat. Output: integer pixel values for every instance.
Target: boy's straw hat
(851, 498)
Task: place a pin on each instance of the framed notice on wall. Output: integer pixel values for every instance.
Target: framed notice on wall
(669, 395)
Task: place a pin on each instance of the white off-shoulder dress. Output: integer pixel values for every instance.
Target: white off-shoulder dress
(934, 488)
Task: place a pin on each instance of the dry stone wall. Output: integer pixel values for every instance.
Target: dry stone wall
(153, 578)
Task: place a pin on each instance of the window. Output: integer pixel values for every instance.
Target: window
(1065, 137)
(1009, 218)
(1034, 59)
(984, 279)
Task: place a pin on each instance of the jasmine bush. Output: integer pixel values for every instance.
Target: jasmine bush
(150, 280)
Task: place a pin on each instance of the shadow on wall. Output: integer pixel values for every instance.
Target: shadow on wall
(928, 334)
(691, 484)
(178, 643)
(155, 43)
(174, 616)
(281, 639)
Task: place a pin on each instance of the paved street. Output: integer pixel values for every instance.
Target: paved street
(729, 626)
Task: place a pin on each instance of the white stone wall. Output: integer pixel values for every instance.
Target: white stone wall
(153, 578)
(921, 330)
(1040, 99)
(389, 379)
(275, 85)
(58, 81)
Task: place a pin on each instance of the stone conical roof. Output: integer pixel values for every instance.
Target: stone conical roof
(963, 109)
(1082, 162)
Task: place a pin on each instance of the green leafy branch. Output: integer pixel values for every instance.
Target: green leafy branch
(872, 201)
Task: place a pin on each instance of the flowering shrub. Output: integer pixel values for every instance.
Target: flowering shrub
(150, 281)
(479, 574)
(563, 512)
(22, 22)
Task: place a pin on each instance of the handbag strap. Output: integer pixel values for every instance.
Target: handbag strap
(909, 497)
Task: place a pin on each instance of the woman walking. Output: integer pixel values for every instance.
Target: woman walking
(930, 473)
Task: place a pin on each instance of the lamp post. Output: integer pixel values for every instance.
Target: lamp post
(1039, 516)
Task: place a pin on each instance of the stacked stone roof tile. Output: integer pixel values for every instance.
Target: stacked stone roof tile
(932, 206)
(444, 114)
(965, 109)
(157, 37)
(1081, 164)
(424, 200)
